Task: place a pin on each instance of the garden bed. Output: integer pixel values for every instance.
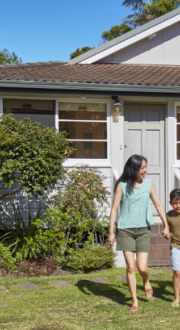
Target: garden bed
(36, 268)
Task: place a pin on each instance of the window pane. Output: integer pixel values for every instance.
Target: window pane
(178, 132)
(76, 130)
(88, 111)
(178, 150)
(27, 106)
(98, 150)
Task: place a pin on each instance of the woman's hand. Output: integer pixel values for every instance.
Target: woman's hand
(111, 239)
(166, 233)
(160, 211)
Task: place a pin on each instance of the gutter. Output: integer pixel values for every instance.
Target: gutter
(88, 88)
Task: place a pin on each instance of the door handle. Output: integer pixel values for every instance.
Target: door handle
(125, 146)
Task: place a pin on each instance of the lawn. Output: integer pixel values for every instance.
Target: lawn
(86, 305)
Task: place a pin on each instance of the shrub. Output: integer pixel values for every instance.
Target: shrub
(20, 234)
(6, 259)
(91, 257)
(78, 210)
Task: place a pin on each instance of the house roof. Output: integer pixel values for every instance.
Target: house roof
(128, 38)
(96, 74)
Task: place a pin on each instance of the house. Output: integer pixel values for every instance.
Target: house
(142, 70)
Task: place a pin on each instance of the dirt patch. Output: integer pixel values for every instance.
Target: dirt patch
(36, 268)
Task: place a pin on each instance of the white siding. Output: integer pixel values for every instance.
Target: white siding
(164, 48)
(22, 199)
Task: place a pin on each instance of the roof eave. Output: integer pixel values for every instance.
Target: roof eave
(90, 87)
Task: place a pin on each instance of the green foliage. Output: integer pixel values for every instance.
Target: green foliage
(31, 154)
(115, 31)
(19, 235)
(91, 257)
(52, 238)
(77, 210)
(147, 11)
(6, 259)
(80, 51)
(7, 58)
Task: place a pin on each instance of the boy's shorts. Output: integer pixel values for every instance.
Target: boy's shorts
(175, 258)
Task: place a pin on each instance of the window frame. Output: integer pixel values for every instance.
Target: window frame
(90, 161)
(177, 104)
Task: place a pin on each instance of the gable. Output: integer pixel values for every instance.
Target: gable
(128, 39)
(161, 48)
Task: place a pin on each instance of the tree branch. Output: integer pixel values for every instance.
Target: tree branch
(13, 193)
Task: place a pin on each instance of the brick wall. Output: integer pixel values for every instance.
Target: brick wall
(159, 247)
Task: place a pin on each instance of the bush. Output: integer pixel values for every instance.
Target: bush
(6, 259)
(78, 210)
(20, 234)
(91, 257)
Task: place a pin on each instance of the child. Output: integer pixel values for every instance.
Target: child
(173, 219)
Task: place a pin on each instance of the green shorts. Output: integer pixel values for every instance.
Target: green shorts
(134, 239)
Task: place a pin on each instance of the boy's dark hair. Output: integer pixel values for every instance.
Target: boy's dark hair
(175, 194)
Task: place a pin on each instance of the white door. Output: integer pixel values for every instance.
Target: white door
(144, 135)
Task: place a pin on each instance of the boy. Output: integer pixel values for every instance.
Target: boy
(173, 219)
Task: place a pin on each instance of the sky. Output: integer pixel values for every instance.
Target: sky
(47, 30)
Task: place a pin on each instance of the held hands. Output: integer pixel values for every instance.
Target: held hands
(111, 239)
(166, 233)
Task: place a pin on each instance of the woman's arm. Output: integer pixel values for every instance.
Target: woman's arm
(116, 202)
(160, 211)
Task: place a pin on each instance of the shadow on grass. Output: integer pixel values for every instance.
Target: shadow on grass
(159, 290)
(104, 290)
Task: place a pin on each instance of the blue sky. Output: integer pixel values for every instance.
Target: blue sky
(41, 30)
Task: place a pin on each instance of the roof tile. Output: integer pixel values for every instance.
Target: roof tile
(57, 71)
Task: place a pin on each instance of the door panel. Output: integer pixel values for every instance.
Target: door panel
(144, 135)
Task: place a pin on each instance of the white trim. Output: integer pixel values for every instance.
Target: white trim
(87, 140)
(176, 104)
(86, 161)
(92, 162)
(83, 120)
(132, 40)
(1, 105)
(56, 115)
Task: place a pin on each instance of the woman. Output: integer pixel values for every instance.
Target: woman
(133, 191)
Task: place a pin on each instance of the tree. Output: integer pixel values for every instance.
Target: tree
(31, 155)
(80, 51)
(8, 58)
(146, 12)
(115, 31)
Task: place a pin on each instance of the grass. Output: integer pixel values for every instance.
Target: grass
(86, 305)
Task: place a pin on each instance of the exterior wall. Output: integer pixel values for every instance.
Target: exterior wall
(21, 198)
(164, 48)
(159, 246)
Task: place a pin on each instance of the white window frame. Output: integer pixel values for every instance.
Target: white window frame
(177, 104)
(92, 162)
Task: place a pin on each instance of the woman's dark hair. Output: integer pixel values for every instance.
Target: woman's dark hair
(175, 194)
(130, 173)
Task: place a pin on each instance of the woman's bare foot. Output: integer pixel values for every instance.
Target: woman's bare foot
(147, 284)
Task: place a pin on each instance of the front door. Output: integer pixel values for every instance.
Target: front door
(144, 135)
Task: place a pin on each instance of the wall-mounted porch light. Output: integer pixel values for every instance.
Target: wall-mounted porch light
(117, 106)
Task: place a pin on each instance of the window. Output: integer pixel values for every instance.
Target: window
(86, 125)
(178, 133)
(42, 111)
(27, 106)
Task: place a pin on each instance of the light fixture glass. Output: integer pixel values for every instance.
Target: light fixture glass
(117, 108)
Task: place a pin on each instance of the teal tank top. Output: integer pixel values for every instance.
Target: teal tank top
(135, 209)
